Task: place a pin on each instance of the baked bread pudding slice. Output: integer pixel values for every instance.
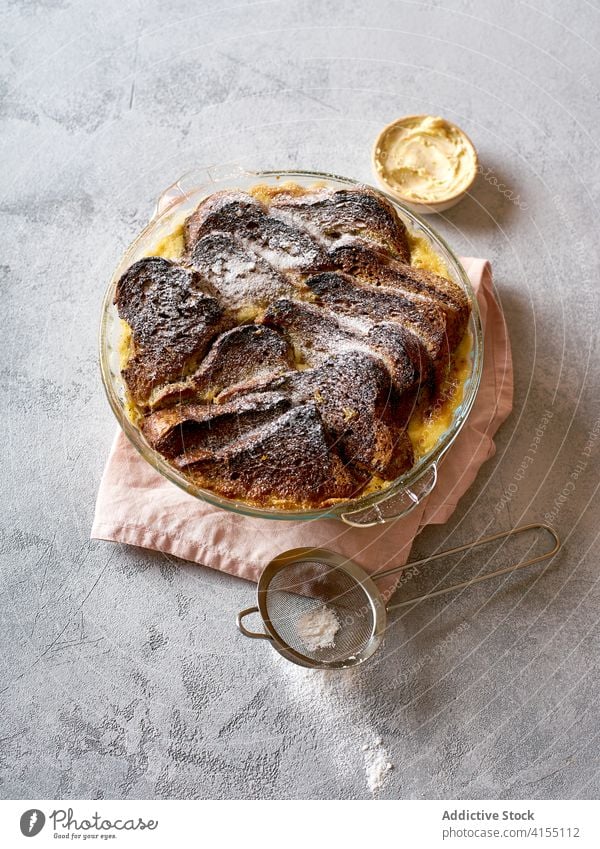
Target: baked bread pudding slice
(284, 355)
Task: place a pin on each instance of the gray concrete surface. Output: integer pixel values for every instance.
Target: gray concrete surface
(122, 672)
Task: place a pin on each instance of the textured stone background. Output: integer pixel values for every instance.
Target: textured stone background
(122, 672)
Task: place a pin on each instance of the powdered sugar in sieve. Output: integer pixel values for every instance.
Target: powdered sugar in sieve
(317, 628)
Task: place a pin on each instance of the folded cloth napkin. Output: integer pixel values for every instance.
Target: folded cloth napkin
(137, 506)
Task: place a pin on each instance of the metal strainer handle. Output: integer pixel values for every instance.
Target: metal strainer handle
(469, 546)
(255, 635)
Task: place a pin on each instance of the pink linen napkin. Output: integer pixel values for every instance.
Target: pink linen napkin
(137, 506)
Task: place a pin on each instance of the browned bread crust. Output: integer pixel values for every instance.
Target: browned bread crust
(316, 332)
(354, 395)
(376, 268)
(331, 213)
(248, 353)
(194, 430)
(237, 274)
(357, 403)
(221, 212)
(290, 461)
(343, 294)
(172, 321)
(285, 246)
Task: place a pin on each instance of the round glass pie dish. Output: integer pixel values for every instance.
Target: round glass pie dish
(175, 204)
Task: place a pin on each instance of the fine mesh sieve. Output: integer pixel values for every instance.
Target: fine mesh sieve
(323, 611)
(305, 587)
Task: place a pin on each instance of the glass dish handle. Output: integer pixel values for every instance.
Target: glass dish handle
(394, 506)
(194, 181)
(171, 196)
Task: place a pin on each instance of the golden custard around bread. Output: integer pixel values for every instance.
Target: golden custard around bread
(291, 347)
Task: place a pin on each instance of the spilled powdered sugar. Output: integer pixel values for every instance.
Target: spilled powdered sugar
(318, 627)
(335, 710)
(377, 765)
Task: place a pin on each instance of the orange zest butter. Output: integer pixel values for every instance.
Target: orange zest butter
(425, 159)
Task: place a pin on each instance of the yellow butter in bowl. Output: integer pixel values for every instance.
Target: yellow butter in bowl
(428, 163)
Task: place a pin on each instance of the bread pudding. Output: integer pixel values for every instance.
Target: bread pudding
(292, 347)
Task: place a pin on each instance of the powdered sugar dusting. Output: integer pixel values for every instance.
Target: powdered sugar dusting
(237, 274)
(301, 220)
(377, 765)
(242, 280)
(339, 704)
(286, 256)
(318, 627)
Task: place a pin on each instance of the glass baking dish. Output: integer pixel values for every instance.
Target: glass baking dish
(175, 203)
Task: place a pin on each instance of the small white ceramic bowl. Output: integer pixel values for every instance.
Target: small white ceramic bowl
(422, 207)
